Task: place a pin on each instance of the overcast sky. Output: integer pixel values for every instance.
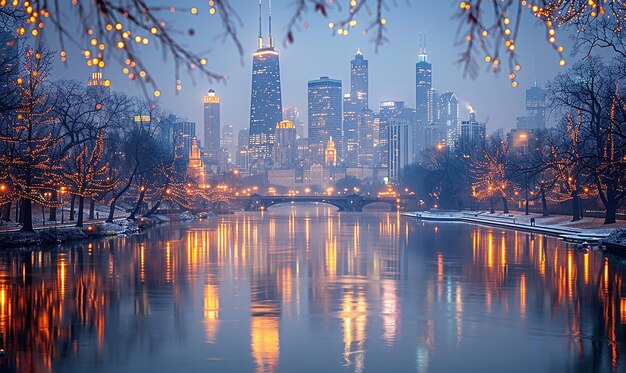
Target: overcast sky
(316, 52)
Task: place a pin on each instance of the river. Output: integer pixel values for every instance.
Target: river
(302, 288)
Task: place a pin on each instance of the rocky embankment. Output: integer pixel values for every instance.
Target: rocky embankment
(54, 236)
(617, 238)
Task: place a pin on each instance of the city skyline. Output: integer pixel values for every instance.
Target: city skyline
(391, 69)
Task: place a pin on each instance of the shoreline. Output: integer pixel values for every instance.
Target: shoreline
(48, 237)
(597, 236)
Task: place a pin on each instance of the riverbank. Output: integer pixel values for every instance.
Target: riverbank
(52, 236)
(587, 229)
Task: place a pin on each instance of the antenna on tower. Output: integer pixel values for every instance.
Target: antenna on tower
(269, 37)
(260, 32)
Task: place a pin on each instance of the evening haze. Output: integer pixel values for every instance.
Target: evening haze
(317, 52)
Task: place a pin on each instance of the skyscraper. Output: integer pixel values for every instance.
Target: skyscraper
(212, 126)
(227, 142)
(266, 101)
(293, 114)
(448, 111)
(401, 142)
(285, 147)
(243, 156)
(472, 134)
(97, 85)
(388, 110)
(423, 86)
(535, 110)
(324, 102)
(355, 106)
(359, 80)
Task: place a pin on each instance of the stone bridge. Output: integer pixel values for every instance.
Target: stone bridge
(352, 202)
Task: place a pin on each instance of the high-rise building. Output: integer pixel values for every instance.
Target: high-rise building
(292, 114)
(423, 88)
(243, 156)
(183, 135)
(285, 147)
(535, 109)
(402, 142)
(359, 80)
(356, 114)
(227, 143)
(388, 110)
(266, 109)
(324, 102)
(448, 112)
(350, 142)
(97, 85)
(472, 134)
(366, 139)
(212, 146)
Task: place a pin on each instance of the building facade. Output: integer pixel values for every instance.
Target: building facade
(286, 146)
(472, 134)
(212, 146)
(266, 108)
(325, 115)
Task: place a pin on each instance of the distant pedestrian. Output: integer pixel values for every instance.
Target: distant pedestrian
(97, 215)
(532, 222)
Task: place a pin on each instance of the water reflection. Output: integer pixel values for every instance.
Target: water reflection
(310, 289)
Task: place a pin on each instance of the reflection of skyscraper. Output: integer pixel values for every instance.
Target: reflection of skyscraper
(266, 101)
(423, 86)
(324, 100)
(212, 125)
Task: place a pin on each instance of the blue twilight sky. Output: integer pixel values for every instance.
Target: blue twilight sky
(317, 52)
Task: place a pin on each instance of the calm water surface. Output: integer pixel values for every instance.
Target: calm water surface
(308, 289)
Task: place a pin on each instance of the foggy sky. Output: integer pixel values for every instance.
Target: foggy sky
(317, 52)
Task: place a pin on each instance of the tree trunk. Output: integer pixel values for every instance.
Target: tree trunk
(27, 215)
(153, 209)
(53, 210)
(575, 206)
(137, 206)
(6, 211)
(72, 200)
(17, 210)
(81, 208)
(491, 208)
(544, 203)
(611, 212)
(92, 209)
(111, 211)
(505, 205)
(20, 218)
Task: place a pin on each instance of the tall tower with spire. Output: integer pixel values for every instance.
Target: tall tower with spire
(266, 100)
(423, 85)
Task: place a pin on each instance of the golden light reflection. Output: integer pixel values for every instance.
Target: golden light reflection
(211, 311)
(390, 311)
(522, 295)
(354, 321)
